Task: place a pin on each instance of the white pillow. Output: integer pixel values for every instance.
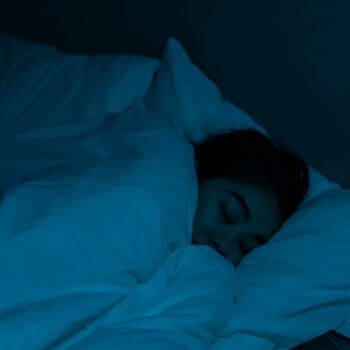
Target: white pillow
(297, 286)
(42, 86)
(193, 105)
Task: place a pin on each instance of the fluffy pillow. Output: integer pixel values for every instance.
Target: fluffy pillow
(290, 264)
(43, 86)
(297, 286)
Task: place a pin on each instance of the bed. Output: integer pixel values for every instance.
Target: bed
(98, 198)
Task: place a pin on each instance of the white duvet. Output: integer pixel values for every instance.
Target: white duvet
(97, 217)
(90, 257)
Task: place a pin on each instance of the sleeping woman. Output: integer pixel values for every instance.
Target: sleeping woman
(249, 185)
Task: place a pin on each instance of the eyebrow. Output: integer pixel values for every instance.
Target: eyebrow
(243, 204)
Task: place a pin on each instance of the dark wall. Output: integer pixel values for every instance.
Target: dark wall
(284, 62)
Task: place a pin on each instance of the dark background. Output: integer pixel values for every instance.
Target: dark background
(285, 62)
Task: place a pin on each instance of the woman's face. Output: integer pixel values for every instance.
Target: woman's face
(234, 218)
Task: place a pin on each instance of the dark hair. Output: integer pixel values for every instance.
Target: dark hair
(253, 158)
